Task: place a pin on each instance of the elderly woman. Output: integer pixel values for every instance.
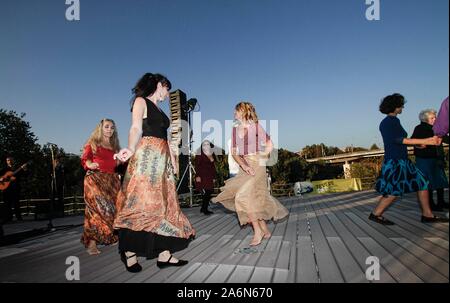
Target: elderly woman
(430, 159)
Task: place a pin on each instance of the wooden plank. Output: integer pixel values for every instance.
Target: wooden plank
(350, 269)
(280, 275)
(209, 228)
(10, 251)
(415, 213)
(414, 225)
(321, 211)
(422, 270)
(283, 262)
(396, 269)
(241, 274)
(328, 268)
(114, 274)
(262, 275)
(197, 253)
(193, 274)
(271, 252)
(208, 266)
(416, 236)
(436, 263)
(306, 265)
(221, 273)
(291, 237)
(359, 252)
(441, 242)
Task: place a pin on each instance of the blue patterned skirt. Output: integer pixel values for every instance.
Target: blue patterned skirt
(399, 177)
(433, 169)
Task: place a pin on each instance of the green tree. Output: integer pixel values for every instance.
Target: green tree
(374, 147)
(354, 149)
(16, 138)
(319, 150)
(289, 168)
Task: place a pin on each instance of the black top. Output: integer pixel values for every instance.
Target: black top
(422, 131)
(156, 123)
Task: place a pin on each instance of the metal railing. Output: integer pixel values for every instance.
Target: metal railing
(73, 205)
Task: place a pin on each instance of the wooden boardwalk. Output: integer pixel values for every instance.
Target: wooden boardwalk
(326, 239)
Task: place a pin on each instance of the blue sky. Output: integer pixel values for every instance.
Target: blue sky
(317, 66)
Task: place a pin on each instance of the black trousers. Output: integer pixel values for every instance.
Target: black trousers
(11, 200)
(206, 197)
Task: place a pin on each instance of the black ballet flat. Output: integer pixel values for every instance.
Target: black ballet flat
(206, 212)
(161, 264)
(434, 219)
(380, 220)
(135, 268)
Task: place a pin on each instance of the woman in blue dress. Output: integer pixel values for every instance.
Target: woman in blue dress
(398, 174)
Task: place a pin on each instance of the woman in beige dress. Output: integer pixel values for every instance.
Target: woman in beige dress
(247, 193)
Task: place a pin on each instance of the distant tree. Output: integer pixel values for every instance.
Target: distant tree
(374, 147)
(319, 150)
(18, 141)
(324, 171)
(354, 149)
(16, 138)
(289, 168)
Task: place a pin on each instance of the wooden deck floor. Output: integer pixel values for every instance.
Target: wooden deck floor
(325, 239)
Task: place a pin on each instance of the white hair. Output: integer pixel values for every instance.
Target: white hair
(425, 114)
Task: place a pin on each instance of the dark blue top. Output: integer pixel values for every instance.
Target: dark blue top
(393, 134)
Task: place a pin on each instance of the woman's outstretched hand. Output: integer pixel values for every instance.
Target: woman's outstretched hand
(123, 155)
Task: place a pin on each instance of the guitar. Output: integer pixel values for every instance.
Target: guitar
(8, 177)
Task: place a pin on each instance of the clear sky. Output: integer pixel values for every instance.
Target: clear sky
(317, 66)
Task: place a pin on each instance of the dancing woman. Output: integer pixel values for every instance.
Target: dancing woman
(150, 222)
(247, 193)
(101, 186)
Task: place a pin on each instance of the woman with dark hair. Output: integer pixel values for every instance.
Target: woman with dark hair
(101, 186)
(150, 221)
(247, 193)
(430, 159)
(205, 172)
(398, 174)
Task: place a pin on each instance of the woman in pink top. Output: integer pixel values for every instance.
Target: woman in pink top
(101, 186)
(247, 193)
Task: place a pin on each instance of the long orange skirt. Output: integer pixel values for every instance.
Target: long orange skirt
(100, 195)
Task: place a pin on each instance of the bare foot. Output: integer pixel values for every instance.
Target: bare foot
(257, 238)
(93, 251)
(267, 235)
(92, 248)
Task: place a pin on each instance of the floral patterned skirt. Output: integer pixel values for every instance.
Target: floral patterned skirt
(149, 219)
(100, 195)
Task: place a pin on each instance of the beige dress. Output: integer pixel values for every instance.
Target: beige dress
(249, 195)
